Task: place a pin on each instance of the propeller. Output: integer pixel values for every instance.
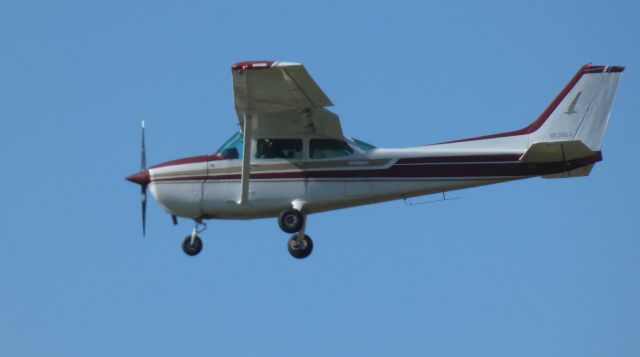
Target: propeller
(142, 178)
(143, 188)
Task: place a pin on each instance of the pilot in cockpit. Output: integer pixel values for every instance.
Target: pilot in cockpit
(269, 150)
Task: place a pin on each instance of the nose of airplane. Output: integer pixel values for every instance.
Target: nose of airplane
(141, 178)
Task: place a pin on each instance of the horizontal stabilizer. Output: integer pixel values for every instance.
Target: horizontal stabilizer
(556, 151)
(581, 171)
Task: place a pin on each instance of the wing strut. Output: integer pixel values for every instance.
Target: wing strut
(246, 159)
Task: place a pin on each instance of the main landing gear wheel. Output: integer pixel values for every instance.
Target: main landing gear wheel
(192, 248)
(291, 220)
(300, 248)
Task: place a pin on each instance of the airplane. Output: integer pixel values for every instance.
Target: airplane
(291, 159)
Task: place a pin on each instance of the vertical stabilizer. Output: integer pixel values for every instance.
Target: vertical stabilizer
(581, 111)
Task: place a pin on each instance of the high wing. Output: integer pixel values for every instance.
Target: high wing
(281, 98)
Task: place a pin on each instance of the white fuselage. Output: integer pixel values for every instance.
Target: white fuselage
(312, 173)
(210, 187)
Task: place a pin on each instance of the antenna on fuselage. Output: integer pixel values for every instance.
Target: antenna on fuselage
(408, 202)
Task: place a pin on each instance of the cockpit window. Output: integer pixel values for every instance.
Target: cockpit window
(363, 145)
(328, 148)
(232, 148)
(290, 149)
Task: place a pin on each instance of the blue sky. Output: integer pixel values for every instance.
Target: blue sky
(528, 268)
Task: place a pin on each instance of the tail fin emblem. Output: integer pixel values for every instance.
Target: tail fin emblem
(572, 106)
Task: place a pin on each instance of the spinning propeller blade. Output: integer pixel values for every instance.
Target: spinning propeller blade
(143, 159)
(143, 188)
(142, 178)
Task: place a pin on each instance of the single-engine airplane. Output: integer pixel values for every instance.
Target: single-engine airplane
(291, 159)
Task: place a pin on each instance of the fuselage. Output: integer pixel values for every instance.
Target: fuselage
(295, 155)
(291, 158)
(209, 186)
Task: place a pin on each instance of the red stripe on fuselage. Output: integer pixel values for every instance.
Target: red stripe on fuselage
(458, 159)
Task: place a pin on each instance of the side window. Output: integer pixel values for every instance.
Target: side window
(328, 148)
(289, 149)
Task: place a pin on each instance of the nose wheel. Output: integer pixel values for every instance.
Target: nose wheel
(192, 244)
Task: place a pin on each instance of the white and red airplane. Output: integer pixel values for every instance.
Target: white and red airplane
(291, 159)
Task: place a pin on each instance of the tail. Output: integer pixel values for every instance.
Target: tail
(573, 126)
(581, 111)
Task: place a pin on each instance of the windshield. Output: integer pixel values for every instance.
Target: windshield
(232, 148)
(364, 146)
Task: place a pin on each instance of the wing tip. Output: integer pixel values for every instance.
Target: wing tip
(264, 64)
(590, 68)
(241, 66)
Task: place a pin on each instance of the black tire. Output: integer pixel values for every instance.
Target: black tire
(192, 249)
(291, 221)
(300, 249)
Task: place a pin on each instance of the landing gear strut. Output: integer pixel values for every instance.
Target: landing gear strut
(192, 244)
